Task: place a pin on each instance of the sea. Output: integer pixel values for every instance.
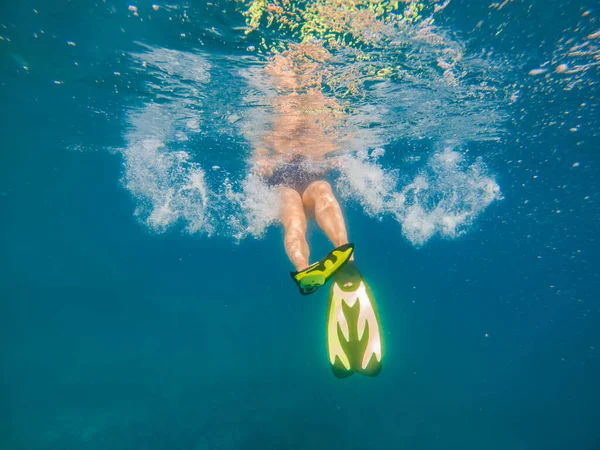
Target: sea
(145, 296)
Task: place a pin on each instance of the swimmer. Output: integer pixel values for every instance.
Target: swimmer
(295, 157)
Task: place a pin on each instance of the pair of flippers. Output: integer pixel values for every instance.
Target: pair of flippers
(354, 339)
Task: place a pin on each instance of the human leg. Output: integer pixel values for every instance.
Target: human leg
(294, 223)
(308, 278)
(319, 196)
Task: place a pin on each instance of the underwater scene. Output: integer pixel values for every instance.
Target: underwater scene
(300, 224)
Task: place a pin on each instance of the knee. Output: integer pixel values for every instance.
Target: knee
(317, 191)
(321, 188)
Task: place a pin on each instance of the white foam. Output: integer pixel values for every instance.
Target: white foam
(361, 178)
(255, 207)
(443, 199)
(168, 186)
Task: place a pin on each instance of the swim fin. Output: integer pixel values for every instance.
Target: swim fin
(353, 331)
(316, 275)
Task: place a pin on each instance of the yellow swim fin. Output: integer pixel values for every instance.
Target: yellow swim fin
(354, 339)
(316, 275)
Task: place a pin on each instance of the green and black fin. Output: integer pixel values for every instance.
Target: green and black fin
(316, 275)
(354, 341)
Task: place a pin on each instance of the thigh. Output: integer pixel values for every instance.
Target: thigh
(292, 208)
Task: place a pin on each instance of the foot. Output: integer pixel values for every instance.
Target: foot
(317, 274)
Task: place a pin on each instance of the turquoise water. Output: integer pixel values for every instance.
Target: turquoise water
(144, 295)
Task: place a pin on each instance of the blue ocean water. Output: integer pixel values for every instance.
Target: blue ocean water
(138, 311)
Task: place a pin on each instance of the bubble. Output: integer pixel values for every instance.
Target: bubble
(535, 72)
(257, 206)
(443, 199)
(170, 188)
(168, 185)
